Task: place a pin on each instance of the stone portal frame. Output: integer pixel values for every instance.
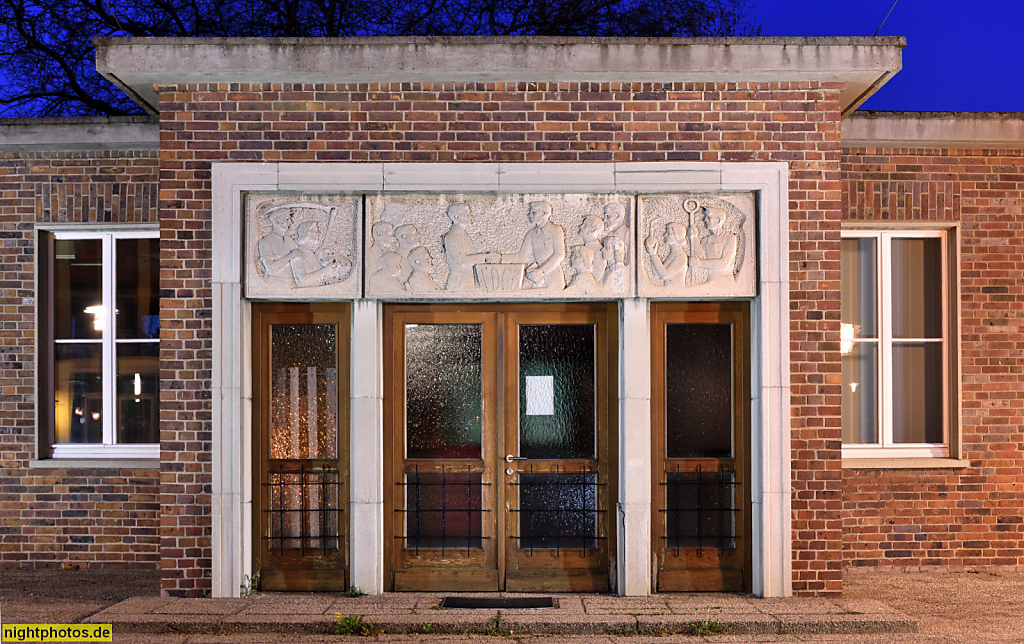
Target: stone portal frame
(232, 387)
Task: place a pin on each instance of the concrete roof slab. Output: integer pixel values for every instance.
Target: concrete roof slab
(934, 129)
(137, 64)
(72, 134)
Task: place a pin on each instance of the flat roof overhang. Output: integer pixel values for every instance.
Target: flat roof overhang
(137, 64)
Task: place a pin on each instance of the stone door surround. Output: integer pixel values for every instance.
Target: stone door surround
(666, 189)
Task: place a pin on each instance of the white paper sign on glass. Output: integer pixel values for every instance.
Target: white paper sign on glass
(540, 395)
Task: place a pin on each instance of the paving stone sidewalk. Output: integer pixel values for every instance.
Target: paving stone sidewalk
(573, 614)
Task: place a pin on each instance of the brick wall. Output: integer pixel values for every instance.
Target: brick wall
(966, 518)
(793, 122)
(52, 517)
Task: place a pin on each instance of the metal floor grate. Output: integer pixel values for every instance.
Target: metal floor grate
(498, 602)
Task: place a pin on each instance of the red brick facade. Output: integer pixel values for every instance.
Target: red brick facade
(85, 517)
(914, 519)
(795, 122)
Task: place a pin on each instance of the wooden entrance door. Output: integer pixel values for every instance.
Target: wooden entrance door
(300, 446)
(701, 418)
(498, 419)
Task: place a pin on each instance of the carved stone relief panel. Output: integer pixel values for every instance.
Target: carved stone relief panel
(523, 246)
(697, 245)
(303, 246)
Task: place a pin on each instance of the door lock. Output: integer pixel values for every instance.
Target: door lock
(509, 458)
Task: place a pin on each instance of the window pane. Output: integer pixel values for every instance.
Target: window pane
(557, 511)
(917, 392)
(698, 390)
(138, 288)
(916, 288)
(443, 390)
(557, 395)
(859, 313)
(78, 289)
(304, 393)
(78, 393)
(138, 392)
(860, 393)
(443, 510)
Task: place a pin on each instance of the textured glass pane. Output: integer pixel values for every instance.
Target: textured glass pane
(304, 510)
(557, 511)
(137, 293)
(699, 512)
(78, 393)
(138, 392)
(860, 393)
(557, 394)
(78, 289)
(443, 510)
(917, 288)
(443, 390)
(917, 392)
(698, 390)
(304, 396)
(859, 312)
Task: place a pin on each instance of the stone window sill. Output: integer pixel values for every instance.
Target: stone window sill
(905, 463)
(96, 464)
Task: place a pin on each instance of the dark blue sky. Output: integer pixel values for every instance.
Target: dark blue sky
(961, 55)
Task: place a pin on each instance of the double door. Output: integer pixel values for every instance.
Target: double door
(497, 420)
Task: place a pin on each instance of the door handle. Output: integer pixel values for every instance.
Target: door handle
(509, 458)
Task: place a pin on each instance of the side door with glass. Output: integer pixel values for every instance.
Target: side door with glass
(300, 445)
(700, 410)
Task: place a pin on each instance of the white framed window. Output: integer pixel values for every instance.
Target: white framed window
(99, 323)
(895, 343)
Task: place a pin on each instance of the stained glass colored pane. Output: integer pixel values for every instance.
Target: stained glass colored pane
(698, 390)
(557, 391)
(443, 390)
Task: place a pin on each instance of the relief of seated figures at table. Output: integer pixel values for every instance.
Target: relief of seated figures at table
(303, 247)
(531, 246)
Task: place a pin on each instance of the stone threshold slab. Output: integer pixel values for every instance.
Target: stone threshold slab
(420, 613)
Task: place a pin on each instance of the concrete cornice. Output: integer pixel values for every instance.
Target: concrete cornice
(74, 134)
(934, 130)
(137, 64)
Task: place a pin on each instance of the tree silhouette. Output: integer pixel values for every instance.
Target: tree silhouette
(47, 59)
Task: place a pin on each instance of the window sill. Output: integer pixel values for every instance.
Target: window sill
(96, 464)
(905, 463)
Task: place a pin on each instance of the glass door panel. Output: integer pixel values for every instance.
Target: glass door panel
(700, 404)
(442, 426)
(299, 353)
(557, 482)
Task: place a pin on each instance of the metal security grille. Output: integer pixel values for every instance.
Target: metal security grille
(443, 509)
(700, 509)
(558, 511)
(304, 511)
